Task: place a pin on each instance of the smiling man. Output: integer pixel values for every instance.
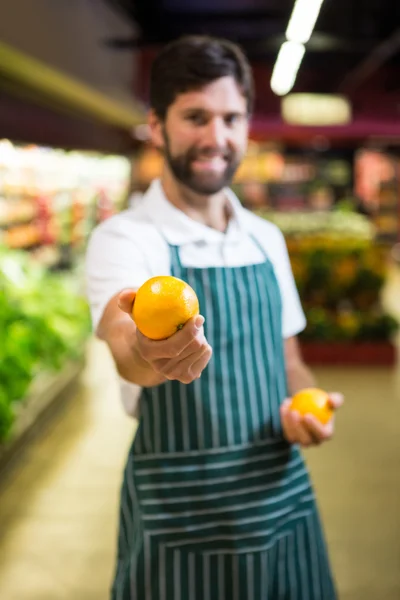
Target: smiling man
(216, 501)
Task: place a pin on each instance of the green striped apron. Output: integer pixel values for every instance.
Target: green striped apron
(215, 504)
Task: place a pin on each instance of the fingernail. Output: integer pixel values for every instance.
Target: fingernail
(199, 322)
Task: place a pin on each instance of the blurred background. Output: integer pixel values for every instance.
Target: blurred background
(323, 163)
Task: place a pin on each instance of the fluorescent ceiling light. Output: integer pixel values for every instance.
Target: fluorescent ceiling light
(316, 109)
(303, 19)
(286, 67)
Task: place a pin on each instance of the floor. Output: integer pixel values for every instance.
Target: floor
(58, 506)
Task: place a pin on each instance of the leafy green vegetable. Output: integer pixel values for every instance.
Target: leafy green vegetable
(44, 321)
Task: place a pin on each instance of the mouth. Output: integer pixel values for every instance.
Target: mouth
(216, 164)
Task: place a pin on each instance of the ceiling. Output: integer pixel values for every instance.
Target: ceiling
(355, 47)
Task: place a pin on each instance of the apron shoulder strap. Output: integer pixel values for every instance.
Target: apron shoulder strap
(174, 252)
(259, 246)
(175, 256)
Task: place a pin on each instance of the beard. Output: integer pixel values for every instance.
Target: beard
(203, 183)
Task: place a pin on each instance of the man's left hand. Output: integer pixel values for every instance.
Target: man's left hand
(308, 431)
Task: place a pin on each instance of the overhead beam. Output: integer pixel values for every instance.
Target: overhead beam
(378, 57)
(65, 90)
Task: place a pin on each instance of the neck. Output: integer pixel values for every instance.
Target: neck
(212, 211)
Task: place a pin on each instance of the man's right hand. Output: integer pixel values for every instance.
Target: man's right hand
(182, 357)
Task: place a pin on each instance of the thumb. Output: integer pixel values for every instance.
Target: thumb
(126, 300)
(285, 407)
(336, 400)
(286, 403)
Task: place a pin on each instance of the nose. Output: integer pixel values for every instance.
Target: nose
(216, 134)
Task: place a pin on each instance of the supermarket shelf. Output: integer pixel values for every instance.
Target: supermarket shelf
(48, 393)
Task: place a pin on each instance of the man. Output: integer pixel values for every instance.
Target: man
(216, 501)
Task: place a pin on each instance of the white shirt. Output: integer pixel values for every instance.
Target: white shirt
(132, 246)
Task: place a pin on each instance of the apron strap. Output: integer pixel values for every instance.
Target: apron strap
(259, 246)
(175, 256)
(173, 253)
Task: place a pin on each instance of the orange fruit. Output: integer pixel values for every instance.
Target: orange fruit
(313, 401)
(163, 305)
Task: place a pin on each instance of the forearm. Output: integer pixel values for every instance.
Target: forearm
(121, 339)
(299, 376)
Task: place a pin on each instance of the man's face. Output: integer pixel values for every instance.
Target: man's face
(204, 136)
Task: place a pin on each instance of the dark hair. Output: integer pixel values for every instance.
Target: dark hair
(192, 62)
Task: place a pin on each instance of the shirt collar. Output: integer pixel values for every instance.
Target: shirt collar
(178, 228)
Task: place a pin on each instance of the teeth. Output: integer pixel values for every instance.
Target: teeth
(211, 159)
(214, 163)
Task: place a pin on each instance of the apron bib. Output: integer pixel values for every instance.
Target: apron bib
(215, 504)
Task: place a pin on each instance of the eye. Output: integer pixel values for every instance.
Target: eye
(232, 119)
(198, 119)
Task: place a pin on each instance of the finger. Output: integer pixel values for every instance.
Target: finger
(195, 346)
(303, 435)
(199, 366)
(295, 430)
(287, 420)
(336, 400)
(154, 350)
(174, 345)
(193, 350)
(189, 332)
(184, 371)
(126, 300)
(317, 430)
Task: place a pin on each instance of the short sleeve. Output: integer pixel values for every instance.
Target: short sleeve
(116, 259)
(293, 318)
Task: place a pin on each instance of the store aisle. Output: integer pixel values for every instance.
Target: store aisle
(58, 510)
(357, 477)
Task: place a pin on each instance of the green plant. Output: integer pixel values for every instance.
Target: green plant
(43, 322)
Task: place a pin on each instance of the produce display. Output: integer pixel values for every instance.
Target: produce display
(340, 271)
(337, 225)
(44, 322)
(52, 198)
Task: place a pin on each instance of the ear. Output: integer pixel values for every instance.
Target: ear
(155, 125)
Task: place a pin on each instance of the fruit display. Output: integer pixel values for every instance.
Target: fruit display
(334, 225)
(44, 322)
(163, 305)
(340, 271)
(53, 197)
(313, 401)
